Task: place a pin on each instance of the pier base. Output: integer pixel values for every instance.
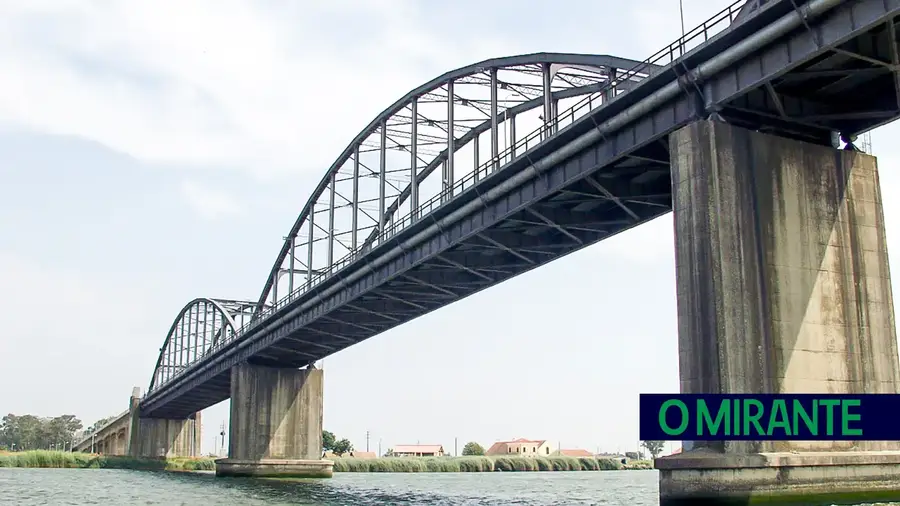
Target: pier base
(702, 478)
(783, 286)
(276, 424)
(275, 468)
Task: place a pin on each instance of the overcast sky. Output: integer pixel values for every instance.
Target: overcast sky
(153, 152)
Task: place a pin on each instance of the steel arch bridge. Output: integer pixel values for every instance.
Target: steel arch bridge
(464, 123)
(441, 195)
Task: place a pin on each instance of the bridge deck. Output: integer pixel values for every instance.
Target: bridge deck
(834, 75)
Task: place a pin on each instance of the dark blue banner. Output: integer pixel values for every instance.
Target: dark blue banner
(766, 417)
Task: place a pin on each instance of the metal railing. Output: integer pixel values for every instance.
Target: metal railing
(662, 58)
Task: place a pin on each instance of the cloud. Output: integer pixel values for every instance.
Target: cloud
(210, 203)
(273, 86)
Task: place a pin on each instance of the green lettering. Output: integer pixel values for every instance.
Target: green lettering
(779, 410)
(736, 430)
(684, 417)
(753, 418)
(704, 419)
(829, 414)
(811, 423)
(846, 417)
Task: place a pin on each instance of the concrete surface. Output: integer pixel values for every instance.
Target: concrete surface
(160, 437)
(783, 286)
(276, 422)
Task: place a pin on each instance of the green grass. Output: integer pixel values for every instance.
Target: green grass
(473, 464)
(70, 460)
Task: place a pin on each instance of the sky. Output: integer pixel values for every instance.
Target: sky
(151, 155)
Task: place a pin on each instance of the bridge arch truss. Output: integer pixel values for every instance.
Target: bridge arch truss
(437, 141)
(201, 326)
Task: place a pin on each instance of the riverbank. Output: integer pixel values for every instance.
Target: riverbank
(69, 460)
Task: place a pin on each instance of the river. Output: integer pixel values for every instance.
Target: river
(75, 487)
(57, 487)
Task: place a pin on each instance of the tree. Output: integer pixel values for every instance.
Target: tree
(473, 448)
(654, 447)
(100, 423)
(28, 432)
(327, 441)
(341, 447)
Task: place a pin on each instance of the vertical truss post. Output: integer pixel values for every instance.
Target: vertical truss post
(206, 327)
(382, 175)
(554, 111)
(512, 135)
(495, 128)
(475, 157)
(196, 334)
(414, 160)
(291, 263)
(451, 138)
(275, 276)
(309, 245)
(548, 97)
(185, 322)
(331, 221)
(610, 93)
(184, 336)
(355, 199)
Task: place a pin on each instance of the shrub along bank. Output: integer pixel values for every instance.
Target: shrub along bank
(480, 464)
(69, 460)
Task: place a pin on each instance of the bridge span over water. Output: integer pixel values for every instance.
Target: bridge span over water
(502, 166)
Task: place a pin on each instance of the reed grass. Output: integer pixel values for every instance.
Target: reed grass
(71, 460)
(473, 464)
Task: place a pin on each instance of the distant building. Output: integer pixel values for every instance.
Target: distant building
(574, 453)
(520, 447)
(418, 451)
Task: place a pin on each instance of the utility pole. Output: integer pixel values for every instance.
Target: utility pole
(379, 447)
(455, 452)
(222, 434)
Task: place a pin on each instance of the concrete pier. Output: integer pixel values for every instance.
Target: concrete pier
(162, 438)
(276, 423)
(783, 287)
(159, 437)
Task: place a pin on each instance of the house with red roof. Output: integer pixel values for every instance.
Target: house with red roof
(577, 452)
(520, 447)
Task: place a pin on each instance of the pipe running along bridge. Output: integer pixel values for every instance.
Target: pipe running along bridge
(500, 167)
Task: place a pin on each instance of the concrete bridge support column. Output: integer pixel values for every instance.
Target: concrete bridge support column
(276, 423)
(783, 287)
(163, 438)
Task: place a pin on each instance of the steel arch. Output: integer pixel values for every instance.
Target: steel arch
(539, 82)
(202, 325)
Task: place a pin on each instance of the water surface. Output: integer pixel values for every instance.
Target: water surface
(57, 487)
(77, 487)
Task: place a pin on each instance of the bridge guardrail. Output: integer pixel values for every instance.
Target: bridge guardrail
(662, 58)
(96, 431)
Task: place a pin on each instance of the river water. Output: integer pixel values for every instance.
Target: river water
(57, 487)
(76, 487)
